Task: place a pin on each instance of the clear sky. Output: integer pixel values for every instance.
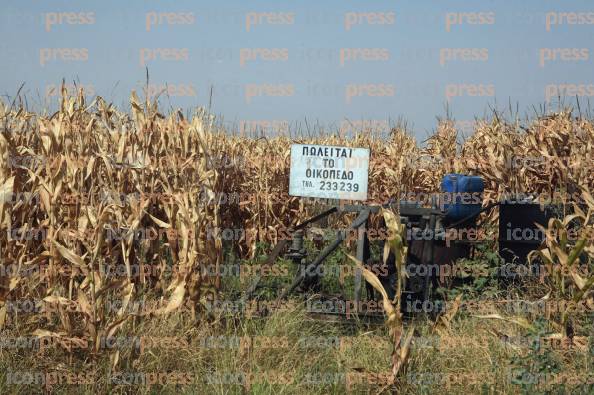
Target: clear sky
(274, 62)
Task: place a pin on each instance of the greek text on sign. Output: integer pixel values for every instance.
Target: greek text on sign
(329, 172)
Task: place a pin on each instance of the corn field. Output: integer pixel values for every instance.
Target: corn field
(57, 169)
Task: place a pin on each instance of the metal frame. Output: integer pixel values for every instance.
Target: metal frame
(360, 223)
(425, 219)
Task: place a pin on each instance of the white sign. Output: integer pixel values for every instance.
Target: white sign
(329, 172)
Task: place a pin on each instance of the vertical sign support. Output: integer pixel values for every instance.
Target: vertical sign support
(362, 256)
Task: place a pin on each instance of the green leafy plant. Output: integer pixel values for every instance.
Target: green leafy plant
(529, 370)
(561, 254)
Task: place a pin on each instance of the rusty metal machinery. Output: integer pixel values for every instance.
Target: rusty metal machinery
(425, 231)
(427, 245)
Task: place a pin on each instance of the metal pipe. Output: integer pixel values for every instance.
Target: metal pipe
(316, 218)
(281, 245)
(340, 236)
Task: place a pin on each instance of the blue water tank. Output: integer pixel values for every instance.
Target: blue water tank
(462, 195)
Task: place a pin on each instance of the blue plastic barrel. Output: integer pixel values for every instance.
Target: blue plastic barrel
(462, 195)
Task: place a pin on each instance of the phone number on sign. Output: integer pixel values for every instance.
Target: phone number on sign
(339, 186)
